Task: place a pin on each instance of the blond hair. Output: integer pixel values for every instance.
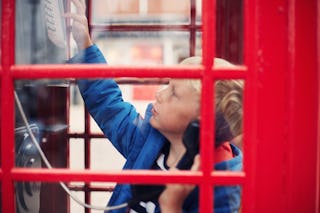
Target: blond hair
(228, 94)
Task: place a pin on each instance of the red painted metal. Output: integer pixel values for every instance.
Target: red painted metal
(126, 176)
(207, 93)
(318, 155)
(281, 113)
(285, 170)
(250, 122)
(98, 70)
(303, 91)
(272, 67)
(103, 71)
(7, 124)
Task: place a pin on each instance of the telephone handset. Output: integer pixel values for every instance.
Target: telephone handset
(191, 142)
(55, 23)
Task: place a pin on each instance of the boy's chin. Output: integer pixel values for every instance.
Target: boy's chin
(152, 122)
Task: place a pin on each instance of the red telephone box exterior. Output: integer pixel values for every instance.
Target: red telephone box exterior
(281, 141)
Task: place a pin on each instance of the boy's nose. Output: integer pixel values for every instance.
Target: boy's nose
(158, 96)
(161, 95)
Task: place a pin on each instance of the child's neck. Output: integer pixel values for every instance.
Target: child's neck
(176, 152)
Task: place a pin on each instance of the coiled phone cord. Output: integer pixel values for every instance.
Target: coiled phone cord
(47, 163)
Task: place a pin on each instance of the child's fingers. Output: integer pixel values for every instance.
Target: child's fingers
(196, 163)
(80, 6)
(75, 17)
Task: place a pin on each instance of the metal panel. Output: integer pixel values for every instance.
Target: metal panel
(7, 123)
(287, 105)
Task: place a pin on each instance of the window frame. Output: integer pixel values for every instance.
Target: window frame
(261, 191)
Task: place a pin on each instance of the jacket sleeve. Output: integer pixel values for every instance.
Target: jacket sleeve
(118, 120)
(90, 55)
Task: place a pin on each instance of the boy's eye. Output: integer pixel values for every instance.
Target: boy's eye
(173, 92)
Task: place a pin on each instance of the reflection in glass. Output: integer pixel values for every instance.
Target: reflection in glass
(76, 112)
(43, 197)
(27, 196)
(228, 123)
(44, 104)
(141, 11)
(143, 48)
(32, 44)
(228, 197)
(103, 156)
(40, 197)
(229, 30)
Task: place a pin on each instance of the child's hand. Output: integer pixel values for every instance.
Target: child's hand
(80, 29)
(172, 198)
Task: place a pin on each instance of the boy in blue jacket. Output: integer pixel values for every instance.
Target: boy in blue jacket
(155, 141)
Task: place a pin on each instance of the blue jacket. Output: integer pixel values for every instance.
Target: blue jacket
(137, 140)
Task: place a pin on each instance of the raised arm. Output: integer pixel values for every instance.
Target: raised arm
(80, 30)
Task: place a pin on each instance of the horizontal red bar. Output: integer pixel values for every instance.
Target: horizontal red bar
(236, 73)
(228, 177)
(126, 176)
(103, 71)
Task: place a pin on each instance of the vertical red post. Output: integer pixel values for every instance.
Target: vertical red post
(303, 87)
(286, 143)
(318, 141)
(7, 105)
(207, 124)
(250, 123)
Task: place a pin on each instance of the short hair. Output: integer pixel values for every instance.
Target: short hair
(228, 94)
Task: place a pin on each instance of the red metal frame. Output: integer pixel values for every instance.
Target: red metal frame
(7, 123)
(281, 151)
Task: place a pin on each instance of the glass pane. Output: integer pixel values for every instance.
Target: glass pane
(76, 154)
(32, 44)
(28, 196)
(76, 115)
(198, 11)
(143, 48)
(43, 197)
(40, 197)
(99, 198)
(229, 30)
(228, 197)
(104, 156)
(45, 105)
(228, 124)
(74, 206)
(141, 11)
